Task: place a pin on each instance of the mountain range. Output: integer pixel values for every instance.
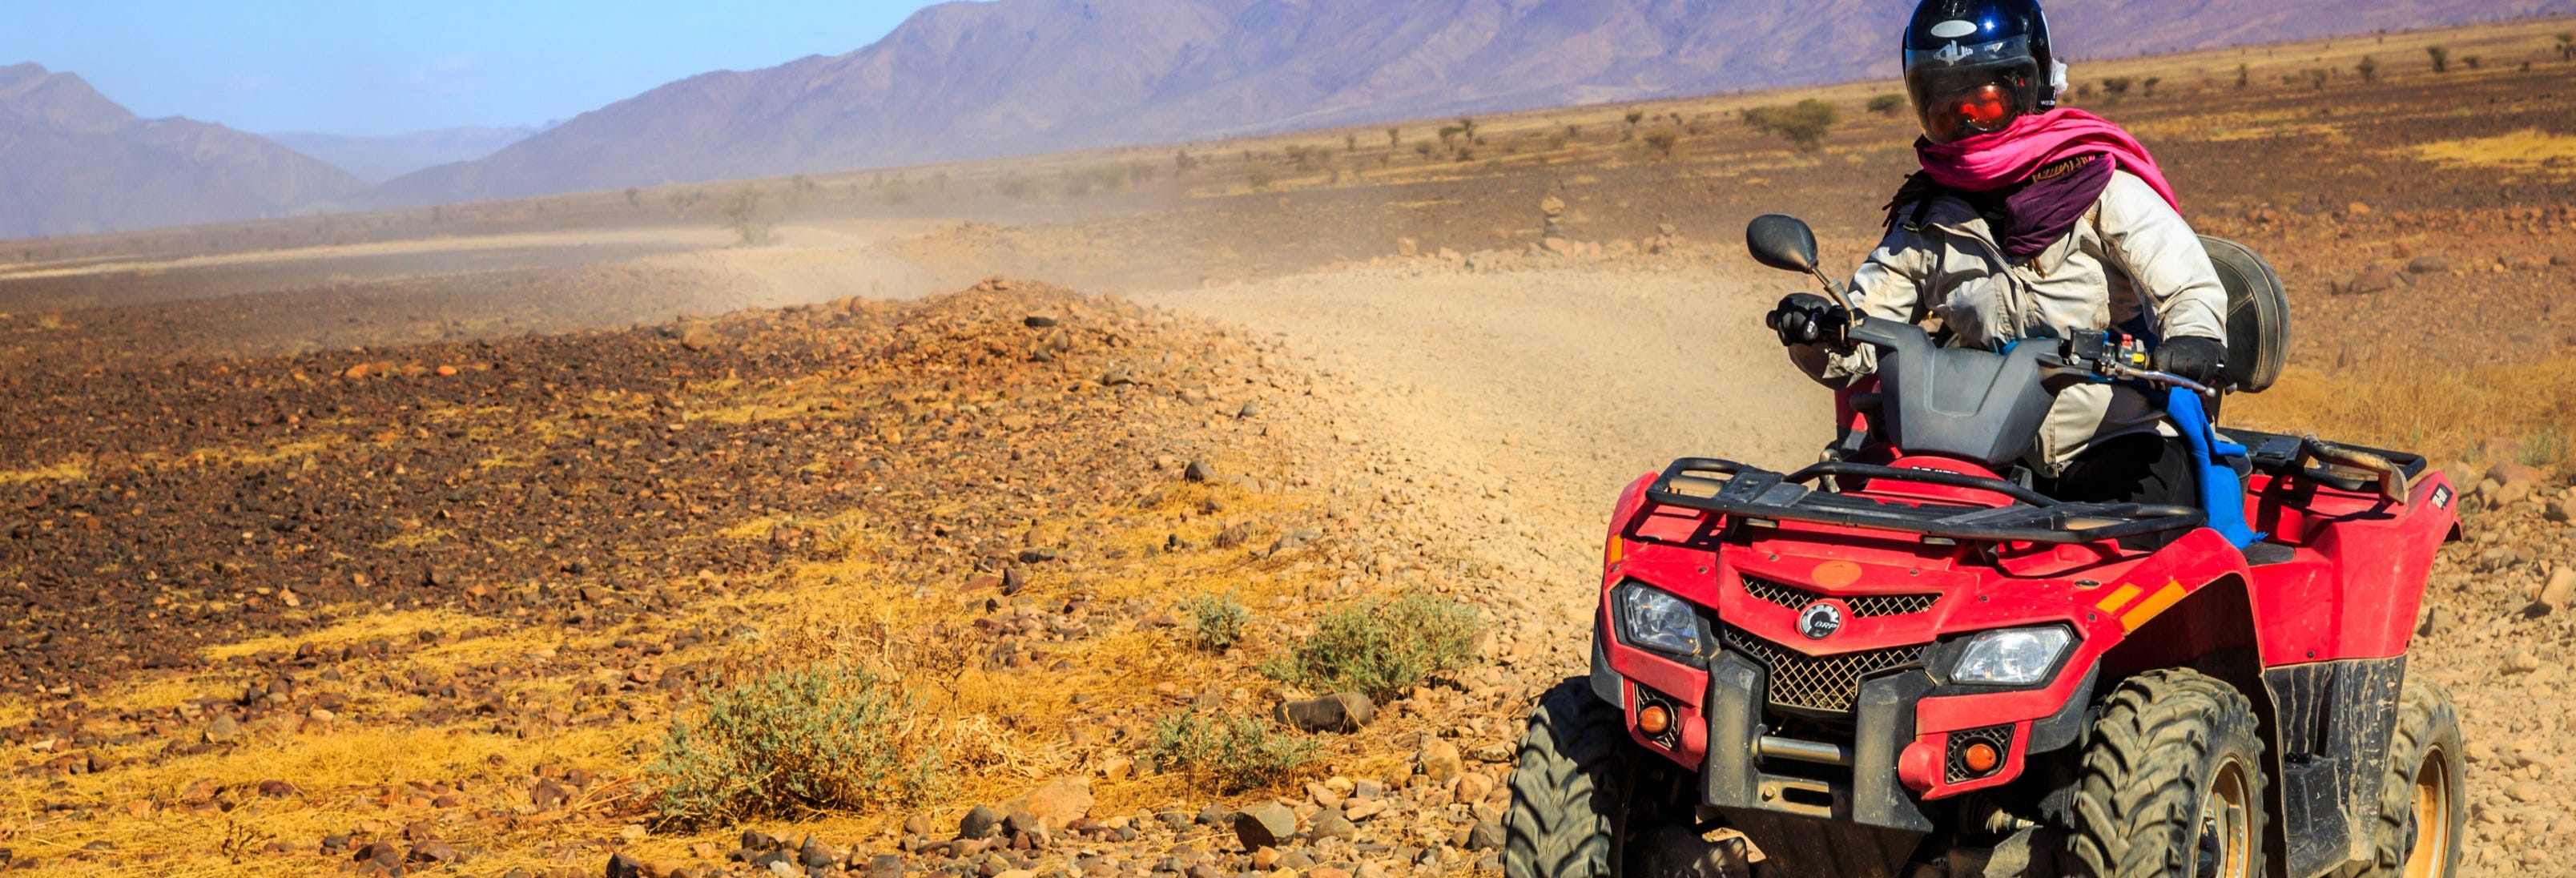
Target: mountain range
(981, 79)
(72, 161)
(962, 80)
(377, 159)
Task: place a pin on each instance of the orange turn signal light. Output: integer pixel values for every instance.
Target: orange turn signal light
(1981, 757)
(1653, 719)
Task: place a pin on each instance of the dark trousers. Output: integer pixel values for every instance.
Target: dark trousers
(2140, 468)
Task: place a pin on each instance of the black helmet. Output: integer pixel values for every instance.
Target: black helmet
(1973, 66)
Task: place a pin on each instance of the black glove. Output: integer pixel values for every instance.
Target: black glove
(1807, 318)
(2190, 356)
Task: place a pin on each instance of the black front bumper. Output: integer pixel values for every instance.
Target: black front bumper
(1871, 794)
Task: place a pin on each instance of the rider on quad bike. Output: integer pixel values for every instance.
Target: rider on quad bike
(2034, 612)
(2032, 221)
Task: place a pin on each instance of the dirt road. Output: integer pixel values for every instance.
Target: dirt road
(1544, 392)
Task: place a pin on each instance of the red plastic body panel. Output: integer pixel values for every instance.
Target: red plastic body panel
(2349, 591)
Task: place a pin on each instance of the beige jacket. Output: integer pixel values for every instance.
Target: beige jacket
(2130, 253)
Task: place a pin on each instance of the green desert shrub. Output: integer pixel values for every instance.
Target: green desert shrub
(788, 743)
(1804, 123)
(1383, 647)
(1230, 754)
(1219, 620)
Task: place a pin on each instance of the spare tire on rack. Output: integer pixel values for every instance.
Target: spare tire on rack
(2258, 315)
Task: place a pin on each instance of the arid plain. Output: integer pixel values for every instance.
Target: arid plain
(401, 541)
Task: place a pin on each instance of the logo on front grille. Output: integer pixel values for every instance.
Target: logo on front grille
(1820, 620)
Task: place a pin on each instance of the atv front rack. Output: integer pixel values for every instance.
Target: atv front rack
(1754, 494)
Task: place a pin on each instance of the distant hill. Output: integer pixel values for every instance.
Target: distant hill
(72, 161)
(980, 79)
(377, 159)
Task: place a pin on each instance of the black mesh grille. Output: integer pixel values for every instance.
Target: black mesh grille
(2000, 737)
(1830, 683)
(1794, 597)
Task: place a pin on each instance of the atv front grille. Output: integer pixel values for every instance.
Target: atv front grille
(1830, 683)
(1864, 606)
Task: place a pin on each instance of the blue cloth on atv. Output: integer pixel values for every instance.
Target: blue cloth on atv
(2222, 491)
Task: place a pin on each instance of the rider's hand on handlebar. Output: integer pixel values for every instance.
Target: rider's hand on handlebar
(2199, 359)
(1810, 319)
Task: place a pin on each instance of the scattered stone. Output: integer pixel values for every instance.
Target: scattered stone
(223, 729)
(432, 851)
(698, 338)
(1058, 802)
(1486, 835)
(1039, 321)
(1407, 248)
(1474, 787)
(980, 822)
(2527, 792)
(2429, 265)
(2522, 661)
(2436, 620)
(550, 794)
(1265, 825)
(622, 866)
(2557, 594)
(1198, 471)
(1249, 410)
(1331, 824)
(276, 789)
(1344, 712)
(1440, 762)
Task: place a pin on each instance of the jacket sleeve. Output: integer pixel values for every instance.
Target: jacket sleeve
(1887, 286)
(2164, 256)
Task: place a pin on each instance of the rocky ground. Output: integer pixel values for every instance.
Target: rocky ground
(354, 574)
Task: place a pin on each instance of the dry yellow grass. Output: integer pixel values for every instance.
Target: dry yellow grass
(2527, 151)
(67, 471)
(1000, 731)
(2436, 411)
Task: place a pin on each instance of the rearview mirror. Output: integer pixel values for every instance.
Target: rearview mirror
(1782, 242)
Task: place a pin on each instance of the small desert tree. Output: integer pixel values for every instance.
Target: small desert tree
(1467, 126)
(2147, 88)
(2117, 86)
(2469, 61)
(2567, 47)
(1394, 137)
(1635, 116)
(1887, 104)
(1662, 142)
(2441, 58)
(634, 197)
(741, 212)
(2368, 67)
(2244, 75)
(1804, 123)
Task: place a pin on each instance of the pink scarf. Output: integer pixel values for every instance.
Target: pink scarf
(1988, 162)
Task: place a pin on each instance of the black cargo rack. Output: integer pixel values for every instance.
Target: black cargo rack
(1753, 494)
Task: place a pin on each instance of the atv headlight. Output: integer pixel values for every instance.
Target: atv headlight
(2011, 657)
(1651, 618)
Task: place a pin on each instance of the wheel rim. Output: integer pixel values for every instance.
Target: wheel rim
(2226, 848)
(2432, 816)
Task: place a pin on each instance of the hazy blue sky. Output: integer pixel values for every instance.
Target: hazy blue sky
(372, 67)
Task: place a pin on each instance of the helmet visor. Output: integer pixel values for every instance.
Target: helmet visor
(1962, 91)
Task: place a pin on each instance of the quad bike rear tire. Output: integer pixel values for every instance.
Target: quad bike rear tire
(2171, 785)
(1569, 809)
(2423, 802)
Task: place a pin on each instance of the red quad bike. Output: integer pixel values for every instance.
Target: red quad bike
(1905, 662)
